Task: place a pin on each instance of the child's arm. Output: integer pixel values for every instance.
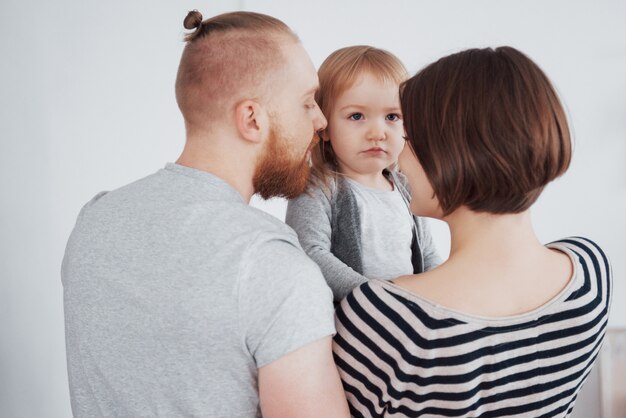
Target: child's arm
(430, 255)
(429, 252)
(310, 216)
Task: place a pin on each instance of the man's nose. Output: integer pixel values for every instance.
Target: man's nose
(320, 121)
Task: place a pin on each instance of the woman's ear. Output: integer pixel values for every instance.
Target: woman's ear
(251, 120)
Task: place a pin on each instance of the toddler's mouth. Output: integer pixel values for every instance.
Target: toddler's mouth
(375, 150)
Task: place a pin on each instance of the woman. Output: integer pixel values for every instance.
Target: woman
(506, 326)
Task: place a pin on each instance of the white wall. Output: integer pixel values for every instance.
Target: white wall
(87, 104)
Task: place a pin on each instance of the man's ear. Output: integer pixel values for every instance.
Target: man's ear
(251, 120)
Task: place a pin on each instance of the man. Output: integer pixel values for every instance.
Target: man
(180, 299)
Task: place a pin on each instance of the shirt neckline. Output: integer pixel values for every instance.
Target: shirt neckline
(491, 320)
(372, 189)
(204, 178)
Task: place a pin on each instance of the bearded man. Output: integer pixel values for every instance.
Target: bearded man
(181, 299)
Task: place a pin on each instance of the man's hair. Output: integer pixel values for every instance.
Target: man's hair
(337, 74)
(227, 58)
(488, 129)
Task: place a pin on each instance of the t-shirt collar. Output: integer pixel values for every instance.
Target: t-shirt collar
(215, 183)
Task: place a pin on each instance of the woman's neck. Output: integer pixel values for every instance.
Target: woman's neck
(497, 237)
(497, 267)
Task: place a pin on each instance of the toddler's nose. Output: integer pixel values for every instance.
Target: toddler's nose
(376, 132)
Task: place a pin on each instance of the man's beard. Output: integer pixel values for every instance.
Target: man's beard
(278, 174)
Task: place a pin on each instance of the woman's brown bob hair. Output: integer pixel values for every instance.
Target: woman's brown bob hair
(488, 129)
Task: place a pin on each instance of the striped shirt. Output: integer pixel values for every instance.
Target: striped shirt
(400, 355)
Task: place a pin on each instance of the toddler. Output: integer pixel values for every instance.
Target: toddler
(354, 220)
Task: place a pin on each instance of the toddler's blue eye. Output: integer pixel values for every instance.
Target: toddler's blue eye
(393, 117)
(356, 116)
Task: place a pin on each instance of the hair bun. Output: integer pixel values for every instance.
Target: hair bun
(193, 20)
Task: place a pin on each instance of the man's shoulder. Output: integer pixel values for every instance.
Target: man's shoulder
(202, 210)
(134, 189)
(264, 226)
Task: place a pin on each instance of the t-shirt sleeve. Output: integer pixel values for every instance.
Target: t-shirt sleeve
(283, 301)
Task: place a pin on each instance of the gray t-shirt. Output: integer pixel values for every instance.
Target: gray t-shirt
(176, 292)
(386, 232)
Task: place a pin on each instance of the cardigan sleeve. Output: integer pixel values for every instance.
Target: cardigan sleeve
(310, 215)
(430, 255)
(429, 252)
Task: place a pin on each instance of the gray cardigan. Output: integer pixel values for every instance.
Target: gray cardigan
(329, 229)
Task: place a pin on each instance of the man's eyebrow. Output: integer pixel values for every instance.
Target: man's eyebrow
(311, 91)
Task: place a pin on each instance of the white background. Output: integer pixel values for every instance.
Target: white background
(87, 104)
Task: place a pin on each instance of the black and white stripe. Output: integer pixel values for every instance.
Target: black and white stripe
(400, 356)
